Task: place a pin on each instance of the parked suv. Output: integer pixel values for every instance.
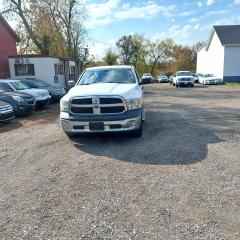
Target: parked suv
(42, 96)
(6, 111)
(162, 79)
(183, 78)
(56, 93)
(147, 78)
(22, 103)
(105, 99)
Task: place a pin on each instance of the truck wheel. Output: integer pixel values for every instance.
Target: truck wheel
(192, 85)
(173, 84)
(177, 86)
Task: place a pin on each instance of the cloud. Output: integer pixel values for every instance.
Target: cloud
(217, 12)
(185, 14)
(234, 19)
(101, 13)
(237, 1)
(112, 10)
(98, 48)
(146, 11)
(193, 20)
(187, 34)
(200, 4)
(210, 2)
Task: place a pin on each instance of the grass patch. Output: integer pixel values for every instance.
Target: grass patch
(232, 84)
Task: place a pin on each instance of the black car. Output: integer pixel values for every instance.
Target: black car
(171, 79)
(22, 103)
(147, 78)
(56, 93)
(6, 112)
(196, 77)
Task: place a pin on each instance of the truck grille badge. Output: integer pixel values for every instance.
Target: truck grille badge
(95, 102)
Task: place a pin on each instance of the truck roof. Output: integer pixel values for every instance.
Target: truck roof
(111, 67)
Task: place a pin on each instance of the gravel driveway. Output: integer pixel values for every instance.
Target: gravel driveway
(181, 180)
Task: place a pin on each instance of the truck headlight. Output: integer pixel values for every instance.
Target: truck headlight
(18, 99)
(134, 103)
(64, 106)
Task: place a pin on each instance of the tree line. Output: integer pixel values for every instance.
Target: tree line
(154, 56)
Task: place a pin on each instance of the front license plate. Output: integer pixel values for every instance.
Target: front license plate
(96, 126)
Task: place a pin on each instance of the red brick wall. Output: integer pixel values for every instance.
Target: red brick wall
(7, 48)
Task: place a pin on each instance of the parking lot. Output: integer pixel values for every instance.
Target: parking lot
(179, 181)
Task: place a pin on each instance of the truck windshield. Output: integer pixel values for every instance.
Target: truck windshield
(208, 75)
(36, 83)
(19, 85)
(121, 76)
(184, 74)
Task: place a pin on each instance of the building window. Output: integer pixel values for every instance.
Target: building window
(24, 70)
(58, 68)
(72, 73)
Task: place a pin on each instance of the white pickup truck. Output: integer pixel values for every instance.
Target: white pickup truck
(183, 78)
(105, 99)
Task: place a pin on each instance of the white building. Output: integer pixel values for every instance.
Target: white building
(220, 55)
(55, 71)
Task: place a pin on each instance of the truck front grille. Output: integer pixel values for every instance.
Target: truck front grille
(97, 105)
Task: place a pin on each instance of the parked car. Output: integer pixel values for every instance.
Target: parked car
(196, 77)
(183, 78)
(147, 78)
(162, 79)
(105, 99)
(42, 96)
(6, 112)
(171, 79)
(209, 79)
(56, 93)
(22, 103)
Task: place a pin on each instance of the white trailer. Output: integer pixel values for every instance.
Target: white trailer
(54, 71)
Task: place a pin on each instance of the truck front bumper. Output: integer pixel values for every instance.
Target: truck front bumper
(185, 83)
(128, 121)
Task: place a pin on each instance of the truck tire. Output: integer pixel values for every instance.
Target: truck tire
(177, 85)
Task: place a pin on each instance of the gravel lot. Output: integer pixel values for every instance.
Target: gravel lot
(181, 180)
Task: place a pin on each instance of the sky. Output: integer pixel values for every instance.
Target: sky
(186, 21)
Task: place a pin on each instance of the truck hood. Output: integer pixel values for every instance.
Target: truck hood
(127, 91)
(34, 91)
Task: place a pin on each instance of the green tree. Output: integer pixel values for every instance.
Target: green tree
(182, 58)
(110, 57)
(129, 49)
(159, 50)
(50, 27)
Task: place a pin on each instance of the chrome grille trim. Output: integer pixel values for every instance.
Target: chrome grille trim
(100, 104)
